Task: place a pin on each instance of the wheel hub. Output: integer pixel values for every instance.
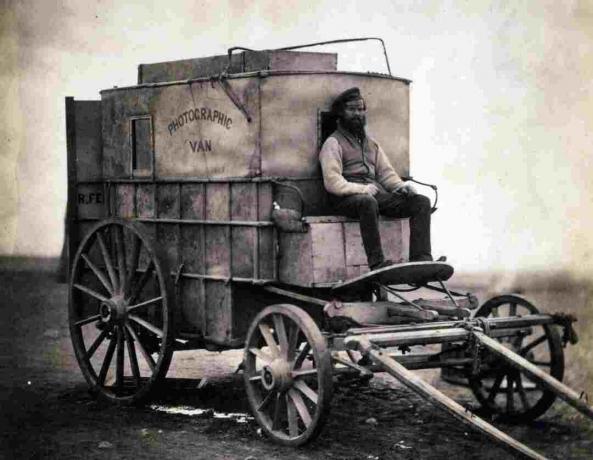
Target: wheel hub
(114, 310)
(276, 375)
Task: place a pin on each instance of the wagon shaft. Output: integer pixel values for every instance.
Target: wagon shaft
(440, 400)
(372, 342)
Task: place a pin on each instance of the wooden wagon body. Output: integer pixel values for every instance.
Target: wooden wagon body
(199, 161)
(175, 188)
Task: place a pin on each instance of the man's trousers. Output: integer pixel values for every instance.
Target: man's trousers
(367, 209)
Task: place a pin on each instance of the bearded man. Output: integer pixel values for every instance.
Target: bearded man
(362, 183)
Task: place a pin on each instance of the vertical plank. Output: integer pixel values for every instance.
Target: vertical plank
(217, 199)
(168, 234)
(192, 201)
(124, 200)
(392, 240)
(145, 200)
(264, 201)
(243, 208)
(168, 201)
(217, 237)
(191, 306)
(355, 253)
(218, 312)
(329, 264)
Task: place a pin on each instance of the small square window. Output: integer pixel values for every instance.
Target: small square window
(142, 151)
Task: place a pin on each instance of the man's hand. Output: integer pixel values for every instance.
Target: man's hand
(407, 189)
(372, 189)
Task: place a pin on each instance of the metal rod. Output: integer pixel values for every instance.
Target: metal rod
(343, 40)
(309, 45)
(296, 296)
(494, 323)
(234, 223)
(442, 401)
(448, 292)
(237, 279)
(535, 373)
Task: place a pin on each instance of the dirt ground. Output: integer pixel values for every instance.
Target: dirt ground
(46, 411)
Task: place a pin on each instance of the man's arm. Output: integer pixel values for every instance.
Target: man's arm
(330, 158)
(385, 174)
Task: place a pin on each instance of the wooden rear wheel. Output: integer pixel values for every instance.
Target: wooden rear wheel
(120, 311)
(288, 374)
(502, 390)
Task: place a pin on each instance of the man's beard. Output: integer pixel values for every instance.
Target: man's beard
(355, 125)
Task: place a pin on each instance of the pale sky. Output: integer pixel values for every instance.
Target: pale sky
(501, 106)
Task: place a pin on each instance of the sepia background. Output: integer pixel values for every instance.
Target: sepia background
(501, 108)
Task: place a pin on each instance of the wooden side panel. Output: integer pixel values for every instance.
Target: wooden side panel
(327, 247)
(218, 310)
(191, 306)
(355, 254)
(168, 201)
(264, 201)
(145, 200)
(192, 201)
(218, 237)
(168, 206)
(244, 245)
(295, 264)
(124, 200)
(392, 240)
(218, 201)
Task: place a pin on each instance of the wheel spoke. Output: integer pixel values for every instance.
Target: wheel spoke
(143, 279)
(302, 354)
(495, 388)
(134, 259)
(145, 303)
(132, 356)
(152, 328)
(88, 320)
(510, 394)
(269, 338)
(527, 348)
(107, 261)
(107, 361)
(100, 276)
(301, 407)
(513, 309)
(147, 357)
(522, 394)
(306, 390)
(266, 401)
(91, 292)
(261, 355)
(293, 423)
(542, 363)
(119, 368)
(121, 255)
(281, 334)
(277, 412)
(96, 344)
(303, 373)
(293, 338)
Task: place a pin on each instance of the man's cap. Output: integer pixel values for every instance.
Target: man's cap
(351, 94)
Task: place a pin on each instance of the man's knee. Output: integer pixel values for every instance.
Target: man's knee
(365, 203)
(419, 203)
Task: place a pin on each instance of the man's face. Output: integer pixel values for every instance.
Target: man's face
(354, 115)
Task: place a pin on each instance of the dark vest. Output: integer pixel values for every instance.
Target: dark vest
(358, 158)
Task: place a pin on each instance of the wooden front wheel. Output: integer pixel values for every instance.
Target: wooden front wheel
(288, 374)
